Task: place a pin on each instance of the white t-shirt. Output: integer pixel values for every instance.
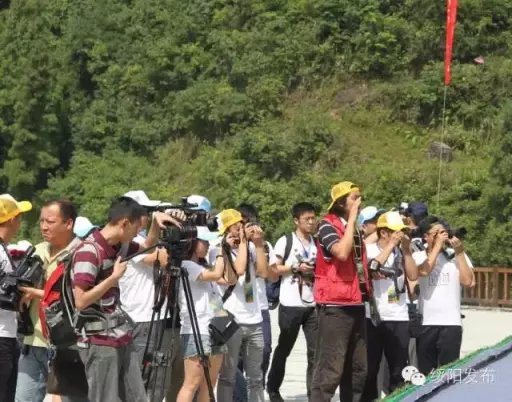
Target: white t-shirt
(206, 299)
(138, 289)
(289, 293)
(392, 306)
(440, 291)
(244, 302)
(260, 282)
(8, 323)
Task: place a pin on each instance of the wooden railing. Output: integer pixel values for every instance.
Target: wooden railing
(493, 288)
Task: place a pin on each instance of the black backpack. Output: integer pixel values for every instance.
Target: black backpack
(274, 288)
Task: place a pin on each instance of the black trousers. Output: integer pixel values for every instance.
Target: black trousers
(291, 319)
(438, 345)
(392, 339)
(340, 354)
(9, 356)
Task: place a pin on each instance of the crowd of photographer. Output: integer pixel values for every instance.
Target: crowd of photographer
(162, 301)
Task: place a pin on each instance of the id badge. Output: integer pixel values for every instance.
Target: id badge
(248, 292)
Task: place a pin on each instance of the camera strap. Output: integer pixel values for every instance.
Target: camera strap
(398, 266)
(358, 259)
(227, 257)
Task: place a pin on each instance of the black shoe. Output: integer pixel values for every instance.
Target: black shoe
(275, 396)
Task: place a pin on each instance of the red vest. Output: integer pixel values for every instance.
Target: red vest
(336, 282)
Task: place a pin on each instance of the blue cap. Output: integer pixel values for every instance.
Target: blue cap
(418, 209)
(83, 227)
(368, 214)
(203, 204)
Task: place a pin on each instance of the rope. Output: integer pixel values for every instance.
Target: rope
(443, 132)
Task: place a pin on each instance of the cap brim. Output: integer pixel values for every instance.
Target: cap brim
(150, 203)
(24, 206)
(81, 232)
(208, 236)
(397, 228)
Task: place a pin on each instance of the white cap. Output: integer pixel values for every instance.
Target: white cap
(141, 198)
(82, 226)
(203, 203)
(22, 245)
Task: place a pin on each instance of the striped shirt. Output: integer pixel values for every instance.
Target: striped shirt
(90, 269)
(327, 237)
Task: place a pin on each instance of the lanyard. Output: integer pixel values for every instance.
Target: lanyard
(308, 251)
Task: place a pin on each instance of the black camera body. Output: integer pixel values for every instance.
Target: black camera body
(29, 272)
(175, 235)
(375, 266)
(460, 233)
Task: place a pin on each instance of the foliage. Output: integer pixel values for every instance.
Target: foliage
(263, 101)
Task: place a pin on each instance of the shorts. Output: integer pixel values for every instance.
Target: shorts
(188, 346)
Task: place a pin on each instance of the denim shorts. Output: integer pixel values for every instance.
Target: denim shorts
(188, 346)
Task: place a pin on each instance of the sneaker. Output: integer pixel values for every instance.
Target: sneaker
(275, 396)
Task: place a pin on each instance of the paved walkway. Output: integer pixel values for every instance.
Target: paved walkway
(481, 328)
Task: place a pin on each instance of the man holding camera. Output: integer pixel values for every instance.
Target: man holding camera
(56, 224)
(441, 276)
(341, 286)
(111, 362)
(10, 222)
(296, 257)
(391, 265)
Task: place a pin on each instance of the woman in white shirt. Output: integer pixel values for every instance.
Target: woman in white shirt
(207, 304)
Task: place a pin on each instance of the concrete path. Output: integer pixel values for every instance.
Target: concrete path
(481, 328)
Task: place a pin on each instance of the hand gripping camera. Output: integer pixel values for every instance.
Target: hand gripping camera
(376, 267)
(27, 273)
(307, 276)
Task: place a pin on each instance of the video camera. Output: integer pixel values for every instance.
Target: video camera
(174, 235)
(27, 273)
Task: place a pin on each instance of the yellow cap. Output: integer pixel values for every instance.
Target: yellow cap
(391, 220)
(341, 189)
(227, 218)
(10, 208)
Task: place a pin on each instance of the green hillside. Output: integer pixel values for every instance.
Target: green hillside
(263, 101)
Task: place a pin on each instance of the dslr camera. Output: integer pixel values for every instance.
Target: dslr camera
(174, 235)
(307, 276)
(375, 266)
(460, 233)
(28, 272)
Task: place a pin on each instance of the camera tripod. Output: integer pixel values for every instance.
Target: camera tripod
(167, 287)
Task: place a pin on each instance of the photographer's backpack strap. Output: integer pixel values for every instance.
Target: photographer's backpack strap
(274, 288)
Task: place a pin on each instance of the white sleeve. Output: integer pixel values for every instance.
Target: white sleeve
(280, 246)
(140, 241)
(193, 269)
(372, 251)
(213, 254)
(419, 257)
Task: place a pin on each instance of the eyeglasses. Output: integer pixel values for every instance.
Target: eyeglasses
(308, 219)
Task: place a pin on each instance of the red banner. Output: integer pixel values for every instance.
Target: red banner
(451, 19)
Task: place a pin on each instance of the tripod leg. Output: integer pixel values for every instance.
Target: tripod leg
(196, 333)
